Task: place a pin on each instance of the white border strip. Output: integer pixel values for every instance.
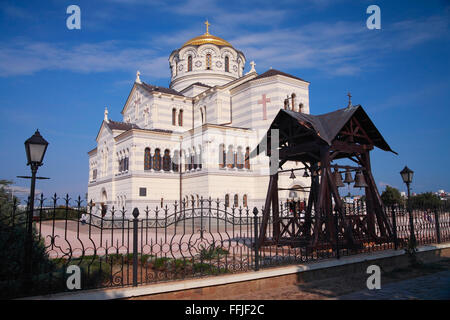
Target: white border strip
(129, 292)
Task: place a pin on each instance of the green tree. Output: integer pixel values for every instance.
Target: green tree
(6, 198)
(12, 244)
(391, 196)
(426, 200)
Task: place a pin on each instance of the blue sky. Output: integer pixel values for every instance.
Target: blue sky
(60, 80)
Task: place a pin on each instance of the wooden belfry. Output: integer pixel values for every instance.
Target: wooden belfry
(317, 141)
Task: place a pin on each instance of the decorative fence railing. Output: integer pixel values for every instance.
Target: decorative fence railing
(192, 240)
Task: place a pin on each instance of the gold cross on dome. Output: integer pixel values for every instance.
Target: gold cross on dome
(207, 26)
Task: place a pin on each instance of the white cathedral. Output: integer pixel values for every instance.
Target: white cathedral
(193, 139)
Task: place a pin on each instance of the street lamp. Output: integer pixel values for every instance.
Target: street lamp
(35, 148)
(407, 176)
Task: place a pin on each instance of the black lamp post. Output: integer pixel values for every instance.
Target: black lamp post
(35, 148)
(407, 176)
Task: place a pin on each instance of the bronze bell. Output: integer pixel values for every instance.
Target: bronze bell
(338, 179)
(292, 175)
(348, 177)
(360, 182)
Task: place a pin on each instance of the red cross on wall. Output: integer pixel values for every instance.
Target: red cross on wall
(263, 101)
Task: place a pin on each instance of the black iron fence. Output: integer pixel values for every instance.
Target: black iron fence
(183, 241)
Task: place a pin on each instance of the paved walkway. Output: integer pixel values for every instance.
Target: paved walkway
(431, 287)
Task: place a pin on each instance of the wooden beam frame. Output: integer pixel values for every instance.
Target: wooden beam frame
(319, 225)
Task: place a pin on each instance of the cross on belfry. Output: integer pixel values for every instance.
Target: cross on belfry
(207, 26)
(263, 101)
(349, 99)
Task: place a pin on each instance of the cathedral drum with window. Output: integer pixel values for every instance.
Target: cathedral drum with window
(194, 138)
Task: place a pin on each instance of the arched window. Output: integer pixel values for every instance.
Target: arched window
(244, 200)
(236, 201)
(230, 157)
(187, 161)
(194, 159)
(286, 104)
(208, 61)
(239, 158)
(157, 160)
(174, 117)
(222, 156)
(180, 118)
(175, 161)
(247, 158)
(166, 160)
(201, 113)
(227, 64)
(189, 63)
(126, 160)
(120, 165)
(190, 161)
(227, 200)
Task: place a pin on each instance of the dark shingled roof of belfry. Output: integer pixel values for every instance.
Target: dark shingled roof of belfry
(328, 125)
(153, 88)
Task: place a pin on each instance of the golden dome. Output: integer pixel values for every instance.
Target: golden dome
(207, 38)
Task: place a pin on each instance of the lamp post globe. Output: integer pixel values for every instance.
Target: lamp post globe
(407, 175)
(35, 147)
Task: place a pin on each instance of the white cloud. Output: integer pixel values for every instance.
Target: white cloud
(340, 48)
(27, 57)
(337, 48)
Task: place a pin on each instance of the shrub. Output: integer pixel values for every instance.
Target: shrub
(12, 251)
(212, 252)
